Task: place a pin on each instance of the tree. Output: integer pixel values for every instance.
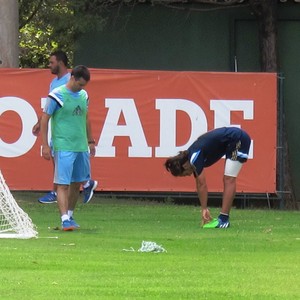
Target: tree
(9, 34)
(266, 14)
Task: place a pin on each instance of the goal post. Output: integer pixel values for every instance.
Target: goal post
(14, 222)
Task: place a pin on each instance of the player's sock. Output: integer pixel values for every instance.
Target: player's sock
(64, 217)
(223, 217)
(70, 213)
(87, 184)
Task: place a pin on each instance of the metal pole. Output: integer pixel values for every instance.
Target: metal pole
(280, 142)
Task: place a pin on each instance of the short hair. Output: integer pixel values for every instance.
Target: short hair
(81, 71)
(174, 164)
(60, 56)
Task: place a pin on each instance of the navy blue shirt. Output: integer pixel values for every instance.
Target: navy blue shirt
(232, 142)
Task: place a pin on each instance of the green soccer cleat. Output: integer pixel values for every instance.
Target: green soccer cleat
(212, 224)
(216, 223)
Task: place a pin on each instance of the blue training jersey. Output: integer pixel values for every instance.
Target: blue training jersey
(214, 144)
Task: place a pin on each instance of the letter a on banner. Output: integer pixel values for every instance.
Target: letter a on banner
(133, 129)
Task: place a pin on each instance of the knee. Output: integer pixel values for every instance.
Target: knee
(229, 180)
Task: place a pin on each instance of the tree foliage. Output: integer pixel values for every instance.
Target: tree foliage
(46, 25)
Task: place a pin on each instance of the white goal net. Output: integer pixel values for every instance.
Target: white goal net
(14, 222)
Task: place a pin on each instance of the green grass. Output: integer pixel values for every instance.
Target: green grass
(257, 258)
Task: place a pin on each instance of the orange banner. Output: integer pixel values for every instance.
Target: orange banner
(139, 118)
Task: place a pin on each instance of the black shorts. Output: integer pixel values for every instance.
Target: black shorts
(239, 149)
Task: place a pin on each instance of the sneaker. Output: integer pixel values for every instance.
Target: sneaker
(48, 198)
(223, 224)
(216, 223)
(89, 191)
(73, 222)
(67, 225)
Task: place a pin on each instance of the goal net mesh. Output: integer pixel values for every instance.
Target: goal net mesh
(14, 222)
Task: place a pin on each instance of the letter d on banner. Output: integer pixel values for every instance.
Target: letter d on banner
(168, 108)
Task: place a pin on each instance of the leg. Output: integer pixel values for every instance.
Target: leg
(62, 177)
(232, 169)
(62, 198)
(228, 193)
(63, 204)
(73, 195)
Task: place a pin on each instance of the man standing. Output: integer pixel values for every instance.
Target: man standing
(58, 65)
(210, 147)
(72, 140)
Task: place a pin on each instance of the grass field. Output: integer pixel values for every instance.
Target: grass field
(257, 258)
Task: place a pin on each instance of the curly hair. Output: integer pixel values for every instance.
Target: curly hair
(174, 164)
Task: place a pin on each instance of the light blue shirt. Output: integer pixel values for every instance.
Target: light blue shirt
(58, 82)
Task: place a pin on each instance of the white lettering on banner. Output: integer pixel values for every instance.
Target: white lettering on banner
(133, 129)
(28, 117)
(168, 109)
(223, 109)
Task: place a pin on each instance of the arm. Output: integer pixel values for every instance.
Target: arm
(203, 196)
(46, 151)
(90, 138)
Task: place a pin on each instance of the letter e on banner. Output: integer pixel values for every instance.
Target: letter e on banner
(223, 109)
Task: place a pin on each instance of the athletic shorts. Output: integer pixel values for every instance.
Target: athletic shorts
(239, 149)
(71, 167)
(236, 155)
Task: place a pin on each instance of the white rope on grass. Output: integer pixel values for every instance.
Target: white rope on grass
(148, 246)
(129, 250)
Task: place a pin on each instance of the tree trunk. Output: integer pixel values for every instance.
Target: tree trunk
(266, 13)
(9, 34)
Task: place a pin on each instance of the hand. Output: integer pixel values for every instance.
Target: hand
(206, 217)
(36, 129)
(92, 150)
(46, 152)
